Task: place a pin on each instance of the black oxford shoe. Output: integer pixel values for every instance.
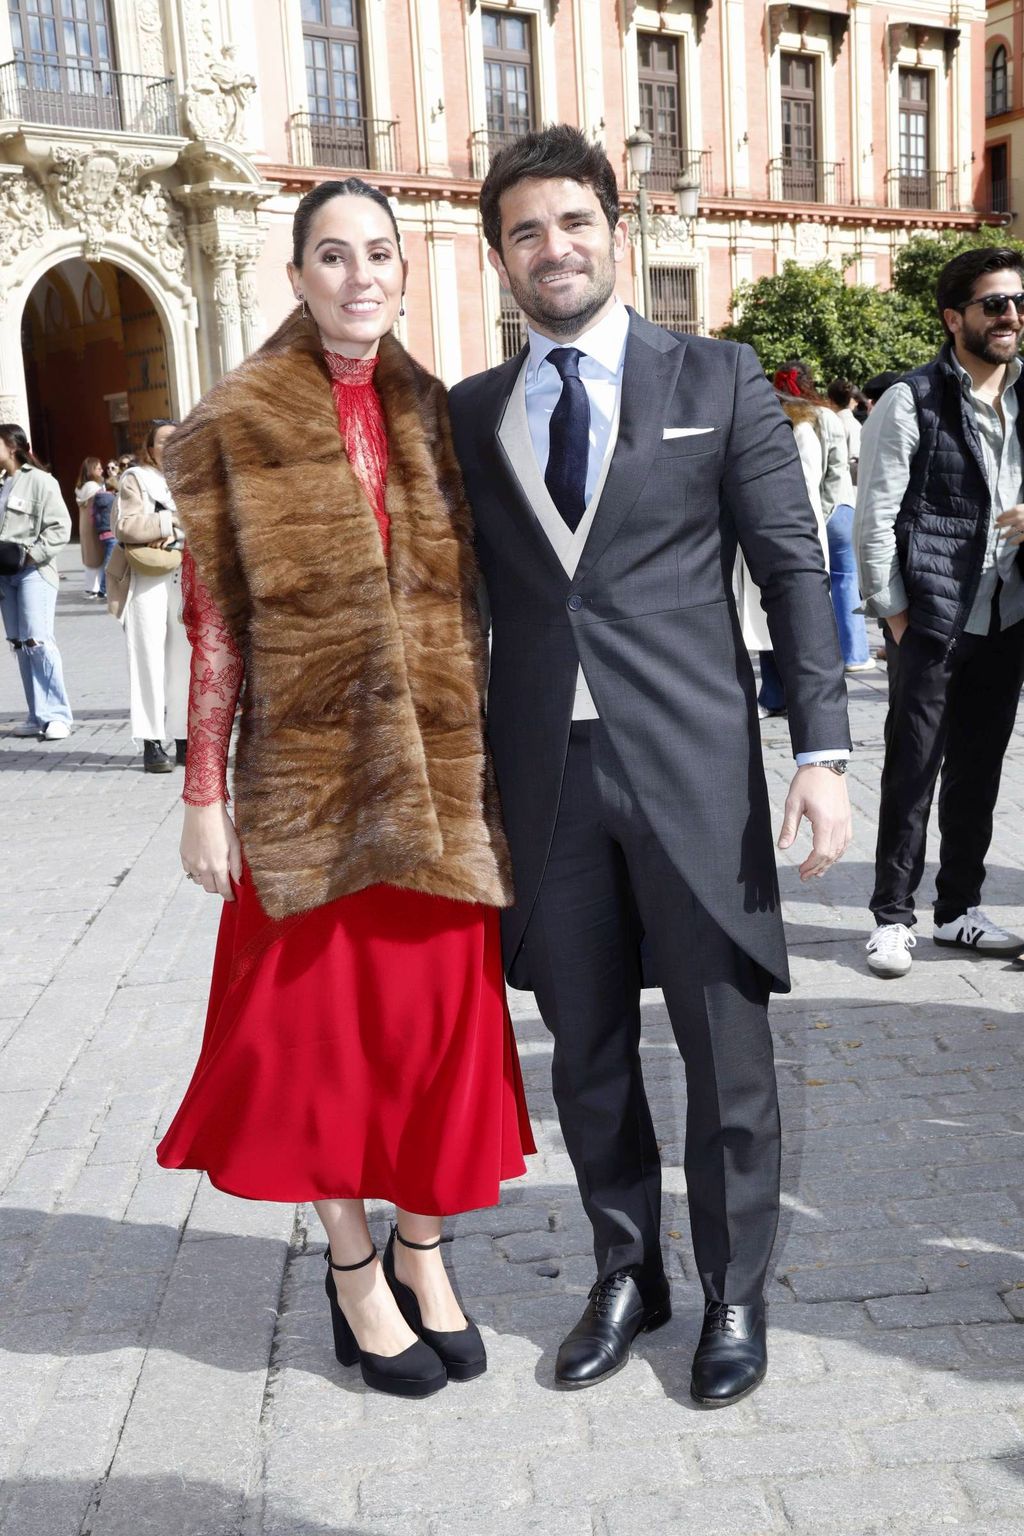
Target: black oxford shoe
(618, 1308)
(732, 1356)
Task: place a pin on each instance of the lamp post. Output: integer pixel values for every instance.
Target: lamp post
(640, 149)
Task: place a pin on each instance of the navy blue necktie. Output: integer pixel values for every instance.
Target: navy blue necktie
(569, 440)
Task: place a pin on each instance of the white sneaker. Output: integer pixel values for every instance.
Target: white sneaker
(57, 730)
(862, 666)
(26, 728)
(976, 931)
(889, 949)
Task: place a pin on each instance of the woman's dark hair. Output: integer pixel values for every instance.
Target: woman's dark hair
(92, 469)
(309, 207)
(955, 285)
(841, 393)
(17, 442)
(146, 453)
(551, 154)
(795, 378)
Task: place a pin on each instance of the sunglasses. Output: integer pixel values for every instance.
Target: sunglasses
(995, 303)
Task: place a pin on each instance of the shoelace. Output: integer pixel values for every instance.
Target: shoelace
(605, 1293)
(718, 1315)
(891, 936)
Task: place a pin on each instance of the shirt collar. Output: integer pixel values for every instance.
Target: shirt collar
(1013, 371)
(604, 343)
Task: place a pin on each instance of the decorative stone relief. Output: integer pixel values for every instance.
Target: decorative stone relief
(811, 242)
(199, 35)
(151, 44)
(217, 97)
(24, 216)
(98, 192)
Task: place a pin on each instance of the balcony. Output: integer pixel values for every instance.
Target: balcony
(81, 96)
(935, 191)
(345, 143)
(484, 145)
(669, 164)
(806, 181)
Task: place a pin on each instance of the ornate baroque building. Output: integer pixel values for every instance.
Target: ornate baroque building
(152, 151)
(1004, 112)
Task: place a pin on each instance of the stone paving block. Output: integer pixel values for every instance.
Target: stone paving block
(663, 1465)
(713, 1511)
(1004, 1345)
(573, 1520)
(427, 1491)
(881, 1397)
(945, 1438)
(855, 1282)
(772, 1455)
(939, 1350)
(995, 1488)
(976, 1304)
(874, 1501)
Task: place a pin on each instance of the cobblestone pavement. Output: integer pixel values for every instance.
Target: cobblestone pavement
(167, 1368)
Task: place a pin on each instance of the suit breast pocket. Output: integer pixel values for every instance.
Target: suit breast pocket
(696, 447)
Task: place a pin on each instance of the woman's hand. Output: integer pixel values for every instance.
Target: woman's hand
(1011, 524)
(211, 854)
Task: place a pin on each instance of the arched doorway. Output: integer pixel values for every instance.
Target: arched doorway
(96, 368)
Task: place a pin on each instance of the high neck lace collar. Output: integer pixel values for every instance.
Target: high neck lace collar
(350, 370)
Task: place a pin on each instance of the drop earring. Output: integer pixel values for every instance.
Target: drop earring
(303, 310)
(402, 307)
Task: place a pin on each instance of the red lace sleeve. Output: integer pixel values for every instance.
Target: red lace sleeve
(216, 680)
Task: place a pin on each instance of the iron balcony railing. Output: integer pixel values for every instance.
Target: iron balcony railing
(934, 190)
(345, 143)
(85, 96)
(806, 181)
(484, 145)
(671, 163)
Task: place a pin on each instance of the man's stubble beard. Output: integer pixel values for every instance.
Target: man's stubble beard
(558, 322)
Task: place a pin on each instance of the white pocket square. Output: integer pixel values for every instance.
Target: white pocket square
(685, 431)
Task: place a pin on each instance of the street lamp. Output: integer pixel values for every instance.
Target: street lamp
(640, 149)
(687, 197)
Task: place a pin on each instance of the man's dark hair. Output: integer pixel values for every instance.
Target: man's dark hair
(876, 387)
(557, 153)
(956, 281)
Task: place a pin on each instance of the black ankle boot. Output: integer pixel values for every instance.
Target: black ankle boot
(155, 759)
(463, 1351)
(416, 1372)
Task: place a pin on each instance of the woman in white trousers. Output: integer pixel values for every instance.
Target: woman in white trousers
(158, 648)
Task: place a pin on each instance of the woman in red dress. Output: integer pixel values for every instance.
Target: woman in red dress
(357, 1043)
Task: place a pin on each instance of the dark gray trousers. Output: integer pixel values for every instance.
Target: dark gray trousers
(607, 885)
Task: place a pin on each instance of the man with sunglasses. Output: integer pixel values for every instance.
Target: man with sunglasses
(938, 530)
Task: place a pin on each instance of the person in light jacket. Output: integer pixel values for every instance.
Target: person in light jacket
(34, 525)
(158, 648)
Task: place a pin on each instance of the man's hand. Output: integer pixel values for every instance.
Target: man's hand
(1012, 524)
(820, 795)
(897, 624)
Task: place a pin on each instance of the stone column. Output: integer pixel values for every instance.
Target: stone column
(226, 304)
(248, 302)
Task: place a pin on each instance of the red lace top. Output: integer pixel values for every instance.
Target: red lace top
(217, 667)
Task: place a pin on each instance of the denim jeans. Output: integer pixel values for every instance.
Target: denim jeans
(28, 603)
(853, 634)
(109, 545)
(773, 690)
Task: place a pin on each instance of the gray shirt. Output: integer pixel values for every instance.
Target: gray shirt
(888, 444)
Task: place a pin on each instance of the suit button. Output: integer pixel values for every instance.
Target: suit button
(574, 603)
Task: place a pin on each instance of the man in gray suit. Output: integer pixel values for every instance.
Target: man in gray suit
(612, 469)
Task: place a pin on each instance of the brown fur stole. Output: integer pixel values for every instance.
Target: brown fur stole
(361, 756)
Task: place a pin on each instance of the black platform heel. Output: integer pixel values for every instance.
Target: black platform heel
(462, 1352)
(416, 1372)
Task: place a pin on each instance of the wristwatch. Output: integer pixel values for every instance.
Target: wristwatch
(837, 764)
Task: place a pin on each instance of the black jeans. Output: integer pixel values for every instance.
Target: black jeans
(607, 882)
(955, 713)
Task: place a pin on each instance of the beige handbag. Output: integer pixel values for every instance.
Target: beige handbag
(152, 559)
(118, 578)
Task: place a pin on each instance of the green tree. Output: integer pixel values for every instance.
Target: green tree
(840, 329)
(919, 262)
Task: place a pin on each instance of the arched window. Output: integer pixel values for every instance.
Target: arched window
(998, 83)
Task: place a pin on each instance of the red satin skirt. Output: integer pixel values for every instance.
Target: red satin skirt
(361, 1050)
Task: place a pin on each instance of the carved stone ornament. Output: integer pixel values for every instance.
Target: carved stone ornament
(217, 97)
(811, 242)
(24, 216)
(151, 43)
(97, 191)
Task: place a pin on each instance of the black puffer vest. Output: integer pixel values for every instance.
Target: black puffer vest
(942, 525)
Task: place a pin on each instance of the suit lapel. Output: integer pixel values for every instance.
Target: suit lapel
(510, 492)
(650, 371)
